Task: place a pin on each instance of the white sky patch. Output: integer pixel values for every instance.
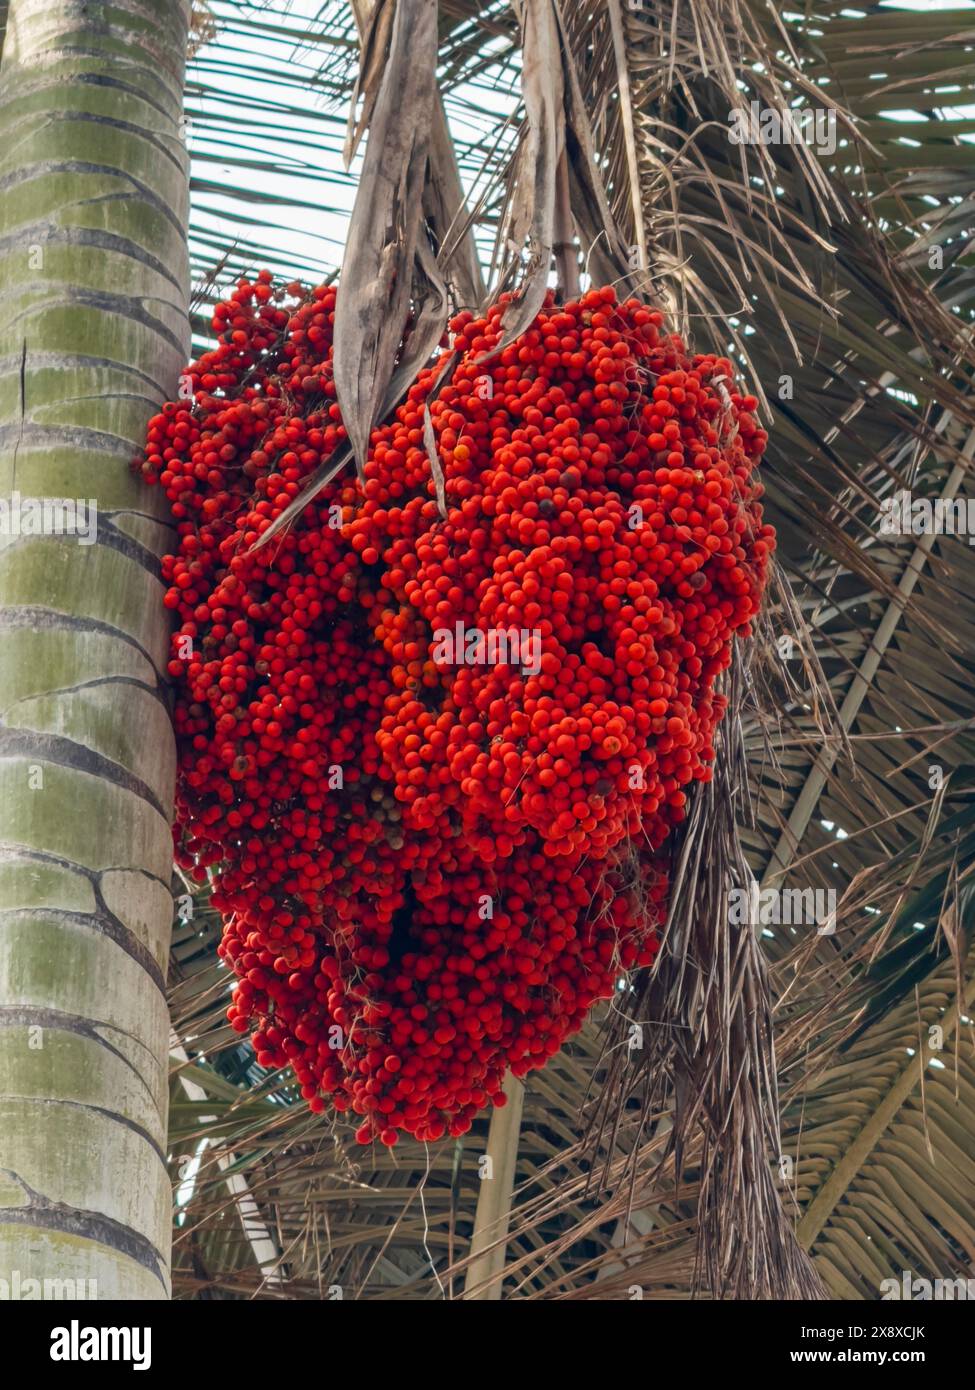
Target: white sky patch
(282, 70)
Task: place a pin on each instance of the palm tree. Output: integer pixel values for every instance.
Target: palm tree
(843, 280)
(93, 318)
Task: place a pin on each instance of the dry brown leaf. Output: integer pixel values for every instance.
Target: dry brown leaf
(372, 63)
(377, 271)
(430, 444)
(609, 255)
(533, 199)
(446, 211)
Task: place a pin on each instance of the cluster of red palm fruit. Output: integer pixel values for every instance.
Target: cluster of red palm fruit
(429, 868)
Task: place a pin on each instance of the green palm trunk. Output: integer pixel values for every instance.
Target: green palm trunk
(93, 333)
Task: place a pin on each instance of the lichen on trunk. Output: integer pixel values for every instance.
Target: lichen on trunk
(93, 313)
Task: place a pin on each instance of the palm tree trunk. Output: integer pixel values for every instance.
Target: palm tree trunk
(93, 328)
